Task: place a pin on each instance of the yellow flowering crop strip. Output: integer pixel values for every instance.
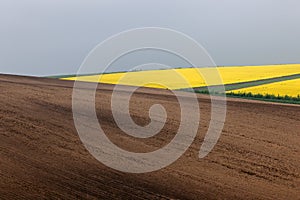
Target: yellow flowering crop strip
(189, 77)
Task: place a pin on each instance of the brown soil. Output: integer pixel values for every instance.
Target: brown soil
(41, 155)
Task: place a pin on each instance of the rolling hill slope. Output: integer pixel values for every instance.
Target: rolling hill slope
(257, 156)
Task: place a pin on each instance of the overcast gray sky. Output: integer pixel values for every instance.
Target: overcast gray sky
(43, 37)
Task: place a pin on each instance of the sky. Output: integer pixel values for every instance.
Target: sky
(47, 37)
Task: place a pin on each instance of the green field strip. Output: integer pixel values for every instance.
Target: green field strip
(215, 90)
(66, 75)
(78, 75)
(241, 85)
(92, 74)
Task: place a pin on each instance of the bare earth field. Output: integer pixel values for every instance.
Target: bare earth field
(41, 155)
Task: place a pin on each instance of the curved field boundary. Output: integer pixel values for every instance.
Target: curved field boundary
(263, 97)
(236, 86)
(285, 90)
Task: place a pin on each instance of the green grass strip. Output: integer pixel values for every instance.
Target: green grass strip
(241, 85)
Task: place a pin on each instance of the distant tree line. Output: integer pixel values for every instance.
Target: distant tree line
(249, 95)
(265, 96)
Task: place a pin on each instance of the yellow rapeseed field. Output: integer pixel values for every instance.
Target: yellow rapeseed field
(290, 88)
(190, 77)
